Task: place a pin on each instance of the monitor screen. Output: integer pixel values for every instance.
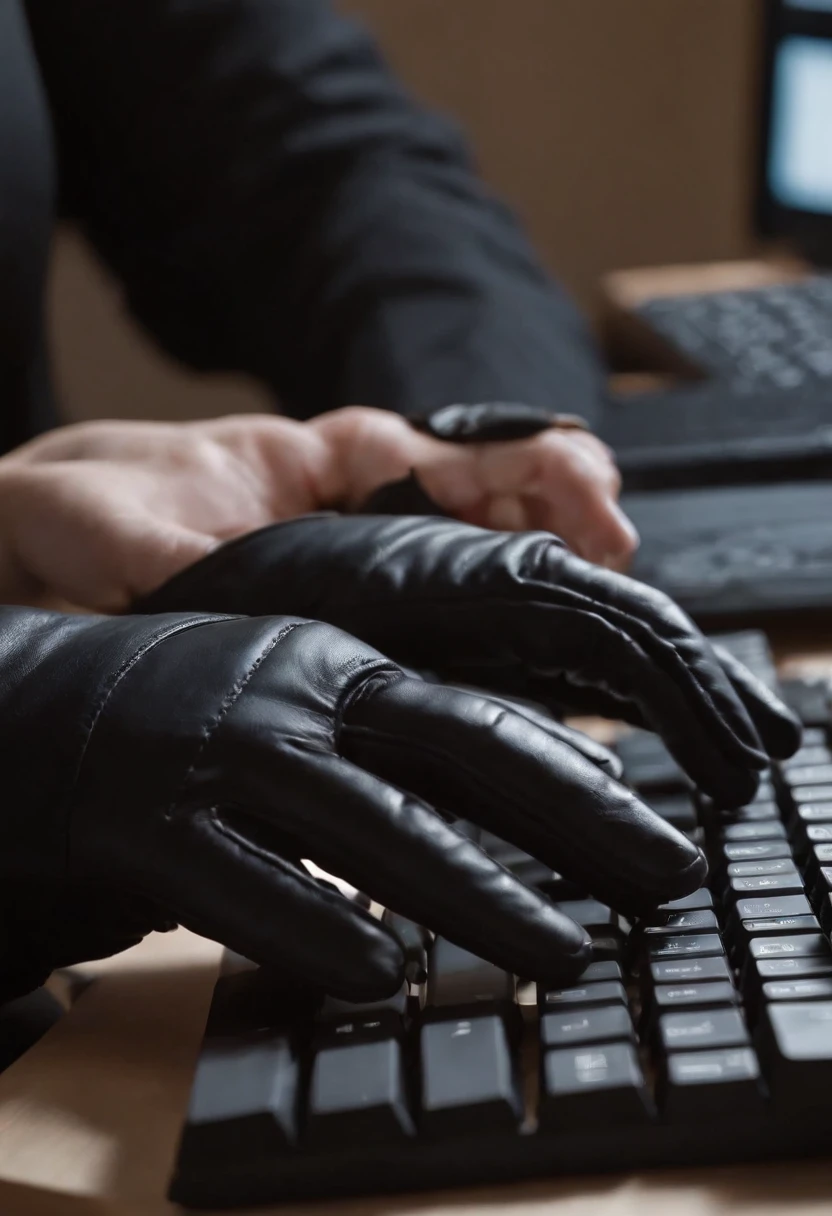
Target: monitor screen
(795, 195)
(800, 152)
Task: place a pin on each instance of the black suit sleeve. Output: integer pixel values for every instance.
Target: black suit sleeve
(274, 203)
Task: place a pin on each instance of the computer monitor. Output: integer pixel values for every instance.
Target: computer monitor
(795, 196)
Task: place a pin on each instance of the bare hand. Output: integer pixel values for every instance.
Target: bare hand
(564, 482)
(96, 514)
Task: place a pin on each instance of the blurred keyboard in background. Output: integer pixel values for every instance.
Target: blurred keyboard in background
(753, 397)
(728, 473)
(703, 1034)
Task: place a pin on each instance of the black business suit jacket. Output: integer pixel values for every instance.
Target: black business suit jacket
(272, 202)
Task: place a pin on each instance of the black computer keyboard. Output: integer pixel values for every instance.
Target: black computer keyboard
(734, 551)
(703, 435)
(777, 337)
(755, 400)
(701, 1035)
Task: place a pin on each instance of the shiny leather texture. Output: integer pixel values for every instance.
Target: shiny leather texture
(176, 769)
(491, 422)
(515, 613)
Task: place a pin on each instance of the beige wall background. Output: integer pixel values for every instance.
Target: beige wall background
(620, 130)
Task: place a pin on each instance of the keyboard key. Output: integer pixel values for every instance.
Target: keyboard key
(699, 921)
(248, 999)
(819, 754)
(765, 909)
(553, 885)
(342, 1021)
(469, 1081)
(693, 997)
(583, 996)
(792, 968)
(798, 990)
(592, 1087)
(699, 945)
(773, 926)
(765, 791)
(608, 947)
(690, 971)
(755, 812)
(742, 833)
(819, 855)
(678, 811)
(603, 970)
(814, 736)
(804, 945)
(753, 869)
(822, 897)
(763, 884)
(684, 998)
(748, 646)
(594, 916)
(794, 1043)
(648, 765)
(712, 1029)
(693, 1086)
(809, 699)
(808, 795)
(607, 1024)
(244, 1100)
(461, 984)
(764, 850)
(357, 1094)
(810, 774)
(812, 812)
(761, 971)
(818, 833)
(695, 902)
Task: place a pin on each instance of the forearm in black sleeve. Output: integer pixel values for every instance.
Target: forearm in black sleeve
(274, 203)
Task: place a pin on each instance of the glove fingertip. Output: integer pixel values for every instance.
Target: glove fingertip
(732, 790)
(561, 968)
(379, 974)
(782, 735)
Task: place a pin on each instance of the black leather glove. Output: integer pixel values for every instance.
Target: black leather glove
(513, 612)
(175, 769)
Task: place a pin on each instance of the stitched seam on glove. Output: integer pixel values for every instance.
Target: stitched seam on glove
(230, 699)
(113, 682)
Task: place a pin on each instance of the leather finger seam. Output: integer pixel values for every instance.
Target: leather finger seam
(210, 728)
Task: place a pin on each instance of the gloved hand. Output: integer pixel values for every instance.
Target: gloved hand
(514, 613)
(175, 769)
